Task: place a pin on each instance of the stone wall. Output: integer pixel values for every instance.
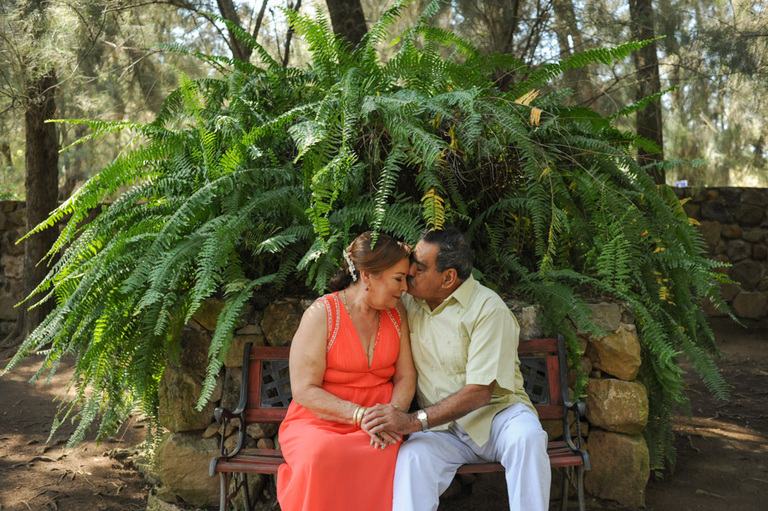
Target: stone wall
(12, 226)
(734, 224)
(617, 403)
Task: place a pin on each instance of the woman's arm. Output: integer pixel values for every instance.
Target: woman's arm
(404, 379)
(307, 366)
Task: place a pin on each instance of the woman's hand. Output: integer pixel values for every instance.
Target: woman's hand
(381, 437)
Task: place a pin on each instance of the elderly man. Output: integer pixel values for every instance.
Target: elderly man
(474, 408)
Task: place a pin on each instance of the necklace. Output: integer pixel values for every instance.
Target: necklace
(371, 345)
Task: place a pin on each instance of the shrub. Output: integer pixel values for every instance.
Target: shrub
(257, 179)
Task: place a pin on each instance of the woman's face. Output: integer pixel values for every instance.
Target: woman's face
(387, 287)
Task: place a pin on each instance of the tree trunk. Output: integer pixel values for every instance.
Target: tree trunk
(289, 36)
(5, 152)
(42, 177)
(647, 64)
(240, 50)
(570, 42)
(348, 19)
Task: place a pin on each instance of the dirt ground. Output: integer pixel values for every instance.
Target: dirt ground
(722, 448)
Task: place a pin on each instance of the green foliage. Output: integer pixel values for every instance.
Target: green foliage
(258, 178)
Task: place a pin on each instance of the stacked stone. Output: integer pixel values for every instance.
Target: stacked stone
(617, 410)
(192, 438)
(734, 224)
(12, 227)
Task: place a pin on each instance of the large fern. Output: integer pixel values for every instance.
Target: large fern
(258, 177)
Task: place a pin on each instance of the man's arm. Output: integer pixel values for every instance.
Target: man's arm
(390, 418)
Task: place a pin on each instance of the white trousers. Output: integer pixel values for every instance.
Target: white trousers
(428, 461)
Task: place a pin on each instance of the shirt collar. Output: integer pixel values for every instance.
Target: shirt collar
(461, 294)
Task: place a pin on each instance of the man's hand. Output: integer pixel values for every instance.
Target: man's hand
(388, 420)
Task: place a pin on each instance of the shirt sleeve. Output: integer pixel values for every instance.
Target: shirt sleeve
(493, 349)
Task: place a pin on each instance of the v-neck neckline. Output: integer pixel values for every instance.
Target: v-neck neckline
(369, 361)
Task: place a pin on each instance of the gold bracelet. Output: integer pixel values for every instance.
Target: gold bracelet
(356, 416)
(360, 420)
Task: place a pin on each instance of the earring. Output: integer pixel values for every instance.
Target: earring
(366, 288)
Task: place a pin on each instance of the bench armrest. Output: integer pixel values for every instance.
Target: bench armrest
(224, 416)
(577, 408)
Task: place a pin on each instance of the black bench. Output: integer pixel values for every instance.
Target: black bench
(265, 393)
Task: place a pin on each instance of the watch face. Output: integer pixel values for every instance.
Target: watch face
(422, 416)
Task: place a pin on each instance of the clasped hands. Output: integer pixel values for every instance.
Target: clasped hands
(385, 424)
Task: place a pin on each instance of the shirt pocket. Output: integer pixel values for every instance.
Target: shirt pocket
(457, 352)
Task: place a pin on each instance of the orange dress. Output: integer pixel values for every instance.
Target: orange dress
(328, 465)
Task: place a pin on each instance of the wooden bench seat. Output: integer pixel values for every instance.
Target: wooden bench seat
(265, 394)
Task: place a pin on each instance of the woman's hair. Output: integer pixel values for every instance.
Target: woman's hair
(454, 251)
(385, 254)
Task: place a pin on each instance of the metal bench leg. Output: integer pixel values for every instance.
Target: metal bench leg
(580, 488)
(246, 492)
(564, 496)
(223, 490)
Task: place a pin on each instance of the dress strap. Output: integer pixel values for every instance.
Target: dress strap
(333, 311)
(395, 319)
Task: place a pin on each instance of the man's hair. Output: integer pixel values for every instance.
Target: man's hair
(454, 252)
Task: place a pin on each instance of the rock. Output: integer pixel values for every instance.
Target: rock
(747, 273)
(208, 313)
(250, 329)
(13, 267)
(748, 215)
(710, 231)
(755, 197)
(8, 311)
(258, 430)
(529, 327)
(178, 393)
(617, 354)
(195, 345)
(212, 430)
(755, 235)
(230, 443)
(732, 231)
(265, 443)
(281, 319)
(232, 382)
(554, 428)
(712, 210)
(760, 252)
(620, 468)
(606, 315)
(750, 305)
(183, 460)
(739, 250)
(585, 368)
(617, 405)
(729, 291)
(235, 354)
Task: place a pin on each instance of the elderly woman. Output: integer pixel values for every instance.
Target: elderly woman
(351, 351)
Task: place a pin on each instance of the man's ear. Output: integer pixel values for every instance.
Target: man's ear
(450, 278)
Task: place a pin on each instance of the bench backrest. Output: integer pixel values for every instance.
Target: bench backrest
(267, 390)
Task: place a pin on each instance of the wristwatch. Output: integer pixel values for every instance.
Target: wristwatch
(422, 416)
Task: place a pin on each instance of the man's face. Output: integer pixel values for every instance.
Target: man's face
(424, 281)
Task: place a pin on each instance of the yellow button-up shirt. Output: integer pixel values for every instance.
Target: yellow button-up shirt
(470, 338)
